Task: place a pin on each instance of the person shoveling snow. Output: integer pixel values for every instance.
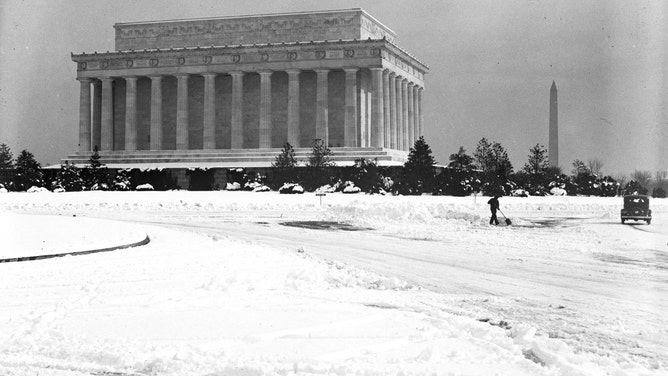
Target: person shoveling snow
(493, 207)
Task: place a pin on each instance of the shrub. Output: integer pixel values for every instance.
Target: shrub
(35, 189)
(122, 181)
(634, 188)
(68, 178)
(233, 186)
(658, 192)
(366, 175)
(291, 188)
(350, 187)
(144, 187)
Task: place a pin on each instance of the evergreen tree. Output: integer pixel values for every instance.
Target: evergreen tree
(286, 159)
(461, 160)
(419, 171)
(68, 178)
(584, 180)
(535, 171)
(492, 159)
(284, 166)
(537, 163)
(6, 165)
(320, 155)
(95, 174)
(27, 172)
(6, 157)
(580, 168)
(316, 169)
(483, 156)
(366, 175)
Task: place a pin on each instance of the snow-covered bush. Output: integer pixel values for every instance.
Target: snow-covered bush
(99, 187)
(59, 190)
(367, 176)
(256, 187)
(291, 188)
(519, 193)
(35, 189)
(350, 187)
(556, 191)
(234, 186)
(3, 190)
(144, 187)
(122, 181)
(68, 178)
(326, 189)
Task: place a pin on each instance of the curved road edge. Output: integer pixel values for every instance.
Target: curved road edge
(145, 241)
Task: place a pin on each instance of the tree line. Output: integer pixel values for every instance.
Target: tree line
(488, 170)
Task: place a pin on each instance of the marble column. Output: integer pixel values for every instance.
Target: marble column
(209, 120)
(237, 132)
(404, 114)
(411, 115)
(156, 113)
(84, 115)
(416, 113)
(97, 114)
(377, 116)
(107, 115)
(386, 109)
(265, 109)
(399, 111)
(130, 113)
(421, 116)
(293, 107)
(393, 110)
(350, 109)
(321, 113)
(182, 112)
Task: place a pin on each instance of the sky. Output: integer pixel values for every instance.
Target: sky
(491, 67)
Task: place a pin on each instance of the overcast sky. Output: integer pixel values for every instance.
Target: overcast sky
(491, 66)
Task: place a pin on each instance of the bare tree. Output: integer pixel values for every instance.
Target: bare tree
(661, 177)
(622, 180)
(595, 166)
(641, 177)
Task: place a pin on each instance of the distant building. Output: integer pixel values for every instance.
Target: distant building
(553, 148)
(230, 91)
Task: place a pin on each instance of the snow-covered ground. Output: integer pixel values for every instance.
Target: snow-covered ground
(239, 283)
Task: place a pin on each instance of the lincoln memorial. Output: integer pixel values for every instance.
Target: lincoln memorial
(231, 91)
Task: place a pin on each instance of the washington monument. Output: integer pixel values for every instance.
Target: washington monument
(553, 148)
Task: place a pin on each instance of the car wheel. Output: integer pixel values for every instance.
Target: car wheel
(649, 221)
(622, 221)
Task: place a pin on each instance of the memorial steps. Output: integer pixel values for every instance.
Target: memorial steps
(230, 158)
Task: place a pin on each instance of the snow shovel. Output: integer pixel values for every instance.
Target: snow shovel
(508, 222)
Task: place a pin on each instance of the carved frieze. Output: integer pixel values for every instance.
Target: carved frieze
(304, 27)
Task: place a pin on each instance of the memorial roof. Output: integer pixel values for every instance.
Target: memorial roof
(344, 24)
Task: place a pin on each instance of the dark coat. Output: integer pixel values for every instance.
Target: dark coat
(493, 204)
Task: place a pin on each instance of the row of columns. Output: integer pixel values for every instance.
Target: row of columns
(396, 111)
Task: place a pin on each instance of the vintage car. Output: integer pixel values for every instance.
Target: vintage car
(636, 207)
